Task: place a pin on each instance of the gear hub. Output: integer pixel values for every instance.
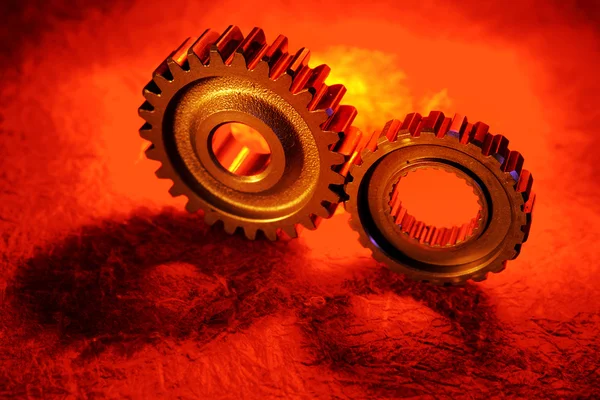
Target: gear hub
(213, 88)
(441, 255)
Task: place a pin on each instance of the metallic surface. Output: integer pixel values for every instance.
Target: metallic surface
(424, 252)
(218, 79)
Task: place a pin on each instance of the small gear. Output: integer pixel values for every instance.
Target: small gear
(228, 78)
(424, 252)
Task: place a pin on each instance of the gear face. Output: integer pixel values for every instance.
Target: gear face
(424, 252)
(218, 80)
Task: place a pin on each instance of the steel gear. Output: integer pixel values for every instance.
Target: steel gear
(218, 79)
(424, 252)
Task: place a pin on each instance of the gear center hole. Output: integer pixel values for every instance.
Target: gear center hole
(240, 149)
(444, 209)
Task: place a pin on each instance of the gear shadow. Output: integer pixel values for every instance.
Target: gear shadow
(126, 283)
(150, 276)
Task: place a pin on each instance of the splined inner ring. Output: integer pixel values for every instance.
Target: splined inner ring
(373, 205)
(430, 234)
(282, 188)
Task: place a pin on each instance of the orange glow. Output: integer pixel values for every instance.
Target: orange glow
(377, 85)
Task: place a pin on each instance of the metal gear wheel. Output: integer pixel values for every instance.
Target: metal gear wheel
(220, 79)
(424, 252)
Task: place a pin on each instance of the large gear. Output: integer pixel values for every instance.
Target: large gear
(424, 252)
(218, 79)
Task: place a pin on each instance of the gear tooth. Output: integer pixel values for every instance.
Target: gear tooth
(467, 134)
(270, 234)
(192, 206)
(290, 230)
(331, 99)
(433, 122)
(444, 127)
(486, 146)
(215, 57)
(299, 82)
(458, 125)
(238, 60)
(177, 62)
(526, 228)
(151, 153)
(351, 145)
(230, 227)
(499, 148)
(162, 172)
(261, 68)
(175, 190)
(377, 256)
(228, 43)
(285, 80)
(253, 47)
(146, 111)
(364, 242)
(164, 83)
(278, 57)
(299, 62)
(513, 164)
(162, 75)
(525, 184)
(151, 93)
(324, 211)
(501, 267)
(336, 158)
(176, 70)
(200, 49)
(391, 129)
(336, 178)
(301, 77)
(250, 232)
(341, 120)
(480, 277)
(331, 196)
(277, 72)
(530, 203)
(480, 132)
(315, 84)
(412, 123)
(210, 217)
(350, 141)
(316, 97)
(146, 132)
(309, 222)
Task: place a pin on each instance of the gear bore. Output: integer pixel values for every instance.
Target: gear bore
(424, 252)
(228, 78)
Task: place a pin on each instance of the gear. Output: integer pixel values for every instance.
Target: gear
(424, 252)
(228, 78)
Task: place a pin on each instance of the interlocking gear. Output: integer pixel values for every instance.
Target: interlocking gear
(424, 252)
(218, 79)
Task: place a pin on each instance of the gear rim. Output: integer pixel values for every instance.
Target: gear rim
(287, 75)
(438, 130)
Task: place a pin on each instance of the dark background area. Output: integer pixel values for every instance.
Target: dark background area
(109, 290)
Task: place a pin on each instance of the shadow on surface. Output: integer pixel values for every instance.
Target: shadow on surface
(168, 275)
(151, 275)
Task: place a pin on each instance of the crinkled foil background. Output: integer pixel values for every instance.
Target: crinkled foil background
(108, 290)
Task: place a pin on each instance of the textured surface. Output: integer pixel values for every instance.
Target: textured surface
(105, 293)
